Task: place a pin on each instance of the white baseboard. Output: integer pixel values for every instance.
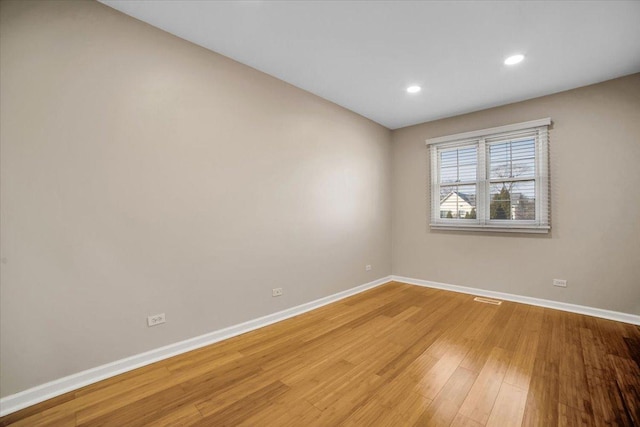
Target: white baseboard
(63, 385)
(573, 308)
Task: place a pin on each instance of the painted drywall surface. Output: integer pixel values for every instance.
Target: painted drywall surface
(595, 204)
(142, 174)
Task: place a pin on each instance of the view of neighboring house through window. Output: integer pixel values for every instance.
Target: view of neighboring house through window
(496, 178)
(458, 169)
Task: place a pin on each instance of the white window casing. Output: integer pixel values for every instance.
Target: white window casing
(500, 140)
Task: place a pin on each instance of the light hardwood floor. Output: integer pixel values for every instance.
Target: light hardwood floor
(397, 355)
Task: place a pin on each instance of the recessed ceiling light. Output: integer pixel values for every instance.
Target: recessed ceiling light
(513, 60)
(414, 89)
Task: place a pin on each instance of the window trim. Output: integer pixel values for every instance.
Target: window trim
(478, 139)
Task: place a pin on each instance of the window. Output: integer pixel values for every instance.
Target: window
(493, 179)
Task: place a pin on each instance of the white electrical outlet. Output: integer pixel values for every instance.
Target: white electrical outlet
(367, 267)
(156, 319)
(560, 282)
(276, 292)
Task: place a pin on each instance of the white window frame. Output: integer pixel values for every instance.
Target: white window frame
(537, 128)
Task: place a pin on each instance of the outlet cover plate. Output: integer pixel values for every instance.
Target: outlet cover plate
(560, 282)
(156, 319)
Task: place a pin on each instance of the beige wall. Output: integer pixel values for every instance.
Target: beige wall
(143, 174)
(595, 204)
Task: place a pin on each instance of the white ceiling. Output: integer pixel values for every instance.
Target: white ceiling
(363, 54)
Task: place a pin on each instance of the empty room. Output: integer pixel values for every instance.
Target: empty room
(319, 213)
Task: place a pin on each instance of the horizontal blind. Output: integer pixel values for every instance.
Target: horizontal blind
(527, 133)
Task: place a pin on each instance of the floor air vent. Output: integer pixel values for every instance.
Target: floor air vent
(488, 301)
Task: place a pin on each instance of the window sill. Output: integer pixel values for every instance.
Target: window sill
(492, 228)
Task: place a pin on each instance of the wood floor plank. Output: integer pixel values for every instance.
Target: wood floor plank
(606, 402)
(445, 407)
(407, 408)
(569, 417)
(482, 396)
(394, 355)
(437, 377)
(508, 409)
(372, 412)
(542, 400)
(634, 348)
(284, 410)
(488, 336)
(627, 376)
(352, 386)
(138, 412)
(519, 372)
(184, 416)
(47, 420)
(37, 410)
(224, 394)
(244, 408)
(462, 421)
